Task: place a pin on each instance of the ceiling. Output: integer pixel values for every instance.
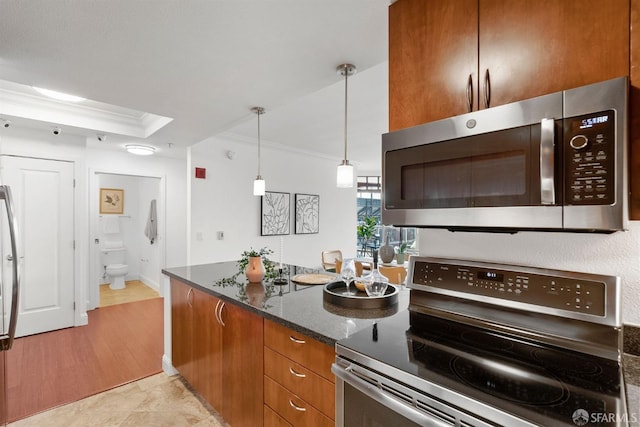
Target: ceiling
(205, 63)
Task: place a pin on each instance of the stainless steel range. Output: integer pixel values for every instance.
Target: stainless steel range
(488, 345)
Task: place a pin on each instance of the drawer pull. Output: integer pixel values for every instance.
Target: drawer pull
(296, 340)
(297, 374)
(296, 407)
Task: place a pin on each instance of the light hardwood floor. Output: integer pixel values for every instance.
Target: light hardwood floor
(135, 290)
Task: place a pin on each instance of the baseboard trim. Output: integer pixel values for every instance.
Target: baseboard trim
(149, 282)
(167, 365)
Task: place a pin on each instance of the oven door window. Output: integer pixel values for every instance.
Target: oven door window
(361, 410)
(494, 169)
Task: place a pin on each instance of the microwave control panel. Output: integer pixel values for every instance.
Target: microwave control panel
(574, 294)
(589, 158)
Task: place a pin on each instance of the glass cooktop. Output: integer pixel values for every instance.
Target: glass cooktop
(542, 384)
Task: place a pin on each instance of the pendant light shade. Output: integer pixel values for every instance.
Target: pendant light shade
(345, 174)
(258, 184)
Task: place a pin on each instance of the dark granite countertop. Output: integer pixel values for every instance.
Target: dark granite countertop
(631, 366)
(299, 307)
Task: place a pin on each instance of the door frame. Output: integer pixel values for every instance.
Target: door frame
(93, 250)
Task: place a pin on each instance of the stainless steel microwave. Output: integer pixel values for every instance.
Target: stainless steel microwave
(554, 162)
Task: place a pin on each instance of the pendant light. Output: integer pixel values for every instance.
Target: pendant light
(345, 170)
(258, 183)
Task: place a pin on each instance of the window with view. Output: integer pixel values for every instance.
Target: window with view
(369, 206)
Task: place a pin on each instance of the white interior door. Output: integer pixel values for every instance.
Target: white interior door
(44, 197)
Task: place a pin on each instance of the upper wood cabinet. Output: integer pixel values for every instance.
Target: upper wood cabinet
(634, 107)
(433, 56)
(447, 57)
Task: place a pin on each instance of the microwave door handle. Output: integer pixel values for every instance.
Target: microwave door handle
(6, 340)
(547, 166)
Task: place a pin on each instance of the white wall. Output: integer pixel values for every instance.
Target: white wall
(224, 201)
(616, 254)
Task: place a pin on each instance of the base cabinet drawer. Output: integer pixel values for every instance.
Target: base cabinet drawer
(308, 385)
(306, 351)
(271, 419)
(292, 408)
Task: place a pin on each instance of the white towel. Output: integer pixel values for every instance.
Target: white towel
(110, 224)
(151, 230)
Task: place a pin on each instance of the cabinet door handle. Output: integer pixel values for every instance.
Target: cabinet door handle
(216, 311)
(190, 297)
(296, 340)
(220, 314)
(297, 374)
(487, 89)
(470, 94)
(296, 407)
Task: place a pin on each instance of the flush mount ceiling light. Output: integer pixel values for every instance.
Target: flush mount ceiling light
(140, 150)
(258, 183)
(59, 95)
(345, 170)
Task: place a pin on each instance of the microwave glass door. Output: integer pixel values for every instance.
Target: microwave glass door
(492, 169)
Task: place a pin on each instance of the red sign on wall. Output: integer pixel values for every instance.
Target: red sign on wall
(201, 173)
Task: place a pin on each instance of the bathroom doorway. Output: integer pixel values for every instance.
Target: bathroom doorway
(121, 206)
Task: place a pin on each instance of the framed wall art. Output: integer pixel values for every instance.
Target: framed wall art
(275, 214)
(111, 201)
(307, 213)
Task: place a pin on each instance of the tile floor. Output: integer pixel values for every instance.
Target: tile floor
(156, 401)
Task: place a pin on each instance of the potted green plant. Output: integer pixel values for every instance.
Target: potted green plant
(366, 229)
(401, 252)
(253, 264)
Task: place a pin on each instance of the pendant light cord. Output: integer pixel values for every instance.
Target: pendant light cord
(346, 83)
(259, 112)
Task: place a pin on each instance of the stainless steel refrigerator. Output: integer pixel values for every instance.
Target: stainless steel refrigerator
(9, 292)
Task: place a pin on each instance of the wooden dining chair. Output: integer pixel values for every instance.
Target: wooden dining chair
(396, 275)
(329, 259)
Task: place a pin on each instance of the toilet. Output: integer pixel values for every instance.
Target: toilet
(113, 259)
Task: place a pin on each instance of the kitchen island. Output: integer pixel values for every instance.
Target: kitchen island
(298, 307)
(273, 320)
(261, 353)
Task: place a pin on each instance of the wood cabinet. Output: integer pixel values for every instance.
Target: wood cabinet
(634, 108)
(299, 388)
(218, 349)
(242, 348)
(433, 53)
(182, 330)
(447, 57)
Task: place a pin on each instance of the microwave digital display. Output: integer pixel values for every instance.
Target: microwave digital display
(593, 121)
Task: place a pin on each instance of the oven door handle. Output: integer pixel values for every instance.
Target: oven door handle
(386, 399)
(547, 162)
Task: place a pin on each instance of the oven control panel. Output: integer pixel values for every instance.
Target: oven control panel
(577, 293)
